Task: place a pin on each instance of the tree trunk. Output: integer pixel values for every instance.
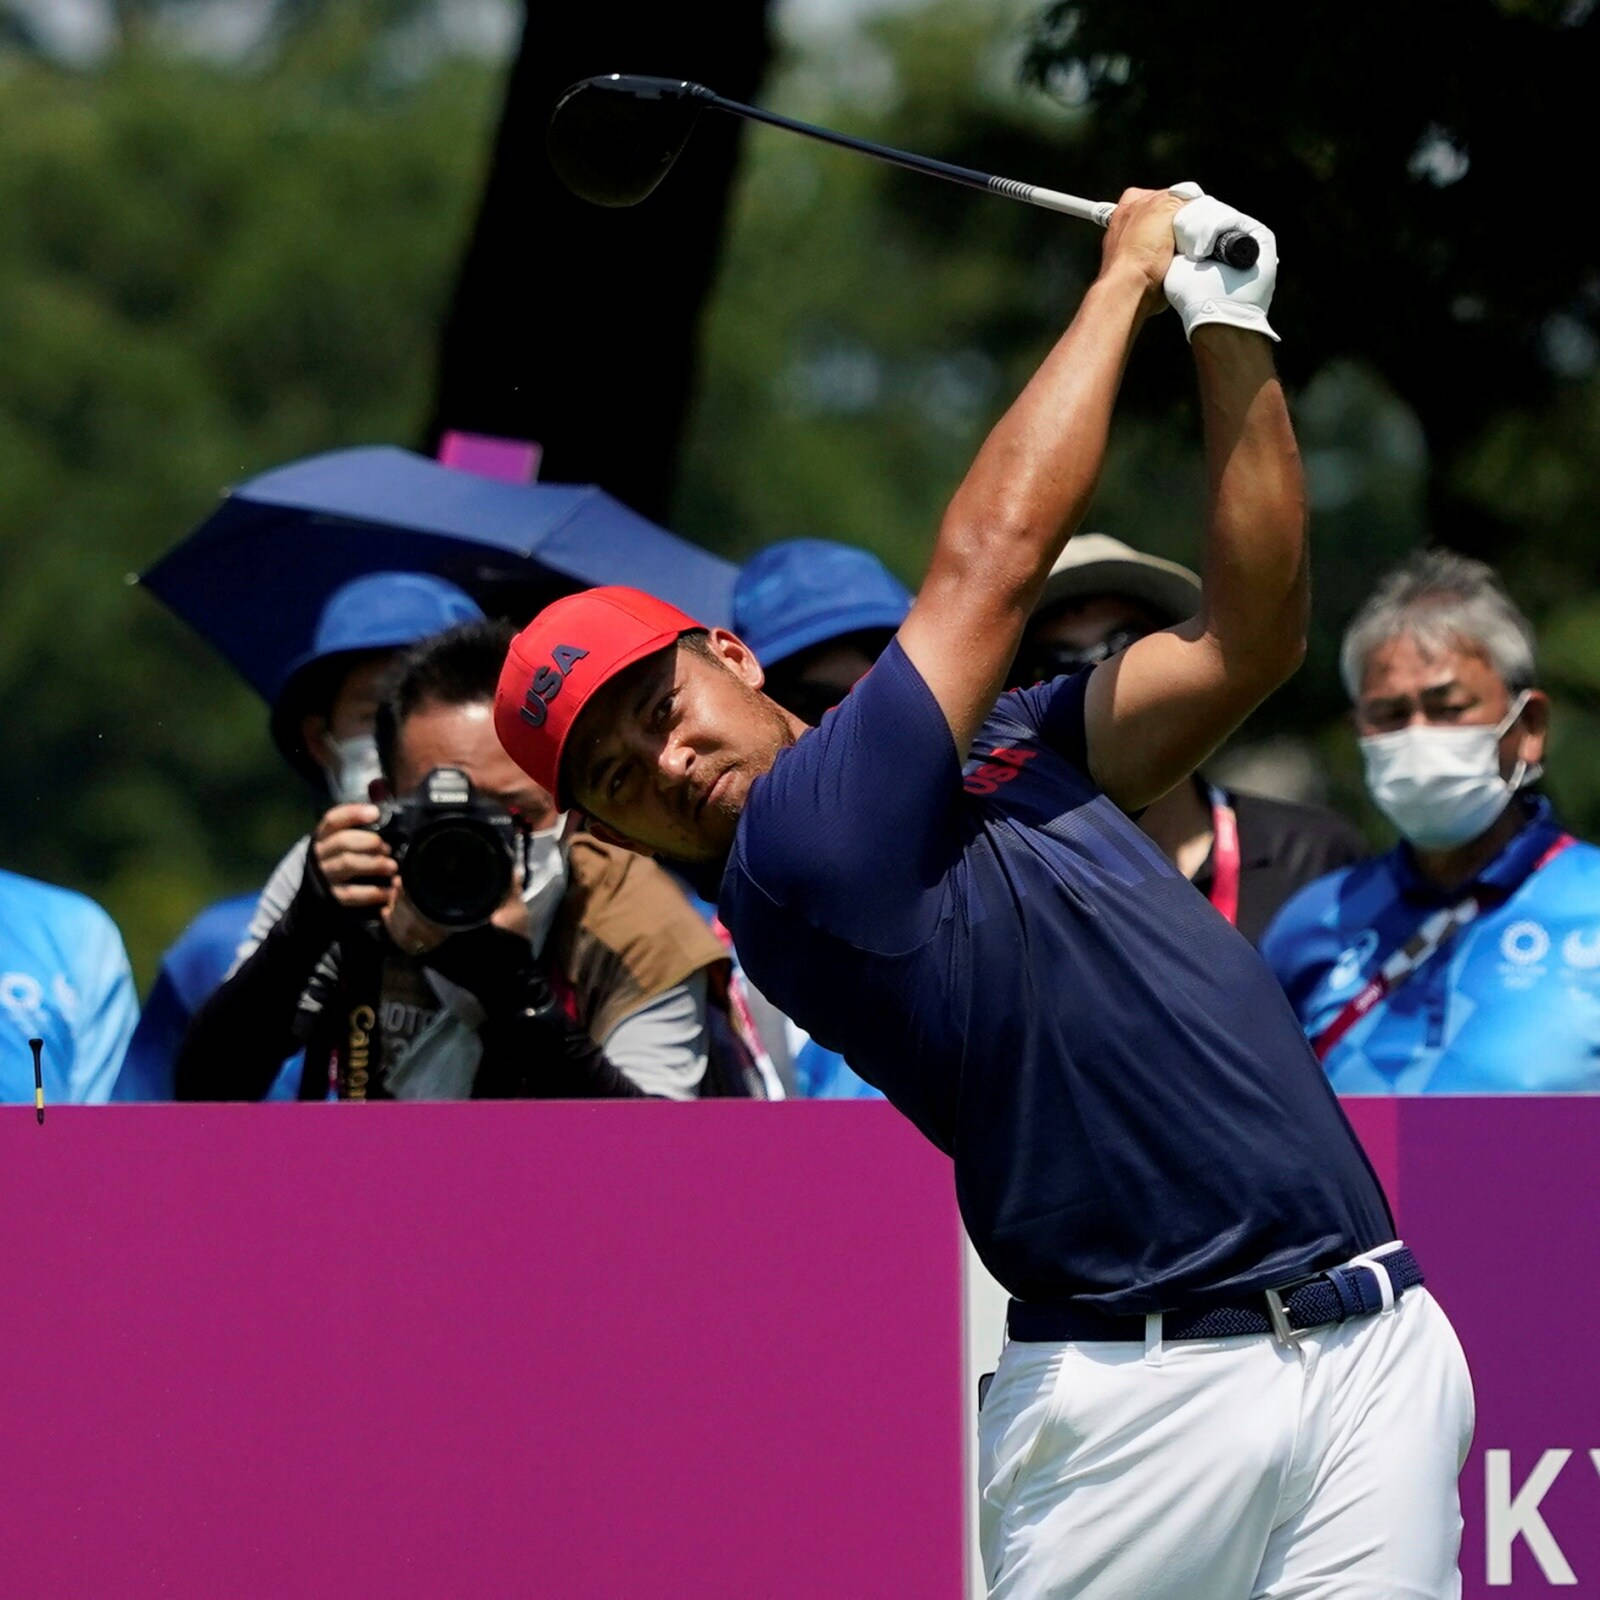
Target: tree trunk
(575, 325)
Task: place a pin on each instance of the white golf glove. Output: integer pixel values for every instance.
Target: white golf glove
(1201, 290)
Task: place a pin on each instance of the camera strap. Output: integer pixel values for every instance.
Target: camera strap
(759, 1077)
(1224, 854)
(360, 1042)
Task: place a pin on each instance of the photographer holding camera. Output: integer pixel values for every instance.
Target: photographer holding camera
(450, 944)
(322, 712)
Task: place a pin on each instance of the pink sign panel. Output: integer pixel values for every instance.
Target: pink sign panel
(580, 1350)
(564, 1351)
(1498, 1198)
(509, 460)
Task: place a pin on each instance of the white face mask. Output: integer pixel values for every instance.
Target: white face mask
(544, 880)
(354, 766)
(1442, 786)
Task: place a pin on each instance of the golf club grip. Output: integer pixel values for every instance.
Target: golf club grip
(1233, 247)
(1236, 248)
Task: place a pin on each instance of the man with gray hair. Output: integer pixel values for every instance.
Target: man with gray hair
(1466, 959)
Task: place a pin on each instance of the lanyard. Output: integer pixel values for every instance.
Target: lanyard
(1429, 938)
(743, 1020)
(1224, 854)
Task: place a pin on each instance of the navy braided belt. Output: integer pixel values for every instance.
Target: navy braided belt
(1337, 1295)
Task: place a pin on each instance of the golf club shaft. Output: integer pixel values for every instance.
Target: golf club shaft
(1235, 247)
(1096, 211)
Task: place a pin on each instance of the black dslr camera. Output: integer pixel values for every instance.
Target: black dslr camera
(454, 849)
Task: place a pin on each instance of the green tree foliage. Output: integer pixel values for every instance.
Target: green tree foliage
(205, 272)
(1420, 163)
(1424, 167)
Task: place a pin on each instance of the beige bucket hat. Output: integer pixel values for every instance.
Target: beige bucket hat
(1095, 563)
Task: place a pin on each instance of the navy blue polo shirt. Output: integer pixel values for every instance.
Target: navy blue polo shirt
(1136, 1120)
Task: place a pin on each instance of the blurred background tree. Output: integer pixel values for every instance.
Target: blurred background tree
(1424, 167)
(577, 324)
(230, 235)
(235, 229)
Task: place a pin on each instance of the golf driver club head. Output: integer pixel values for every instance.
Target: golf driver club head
(612, 139)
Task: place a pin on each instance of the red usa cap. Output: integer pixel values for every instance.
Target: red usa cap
(571, 649)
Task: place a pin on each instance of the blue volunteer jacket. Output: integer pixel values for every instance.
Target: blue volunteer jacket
(64, 978)
(1510, 1004)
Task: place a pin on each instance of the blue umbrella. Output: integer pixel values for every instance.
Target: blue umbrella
(253, 577)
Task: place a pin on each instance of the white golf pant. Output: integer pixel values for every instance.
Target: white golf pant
(1230, 1469)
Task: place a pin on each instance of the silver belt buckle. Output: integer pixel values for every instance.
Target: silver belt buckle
(1279, 1318)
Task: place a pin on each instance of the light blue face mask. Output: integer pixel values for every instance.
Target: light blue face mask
(544, 880)
(354, 767)
(1441, 787)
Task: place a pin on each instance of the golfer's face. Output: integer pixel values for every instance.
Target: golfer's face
(666, 753)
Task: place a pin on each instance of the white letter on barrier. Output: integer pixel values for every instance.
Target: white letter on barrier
(1506, 1518)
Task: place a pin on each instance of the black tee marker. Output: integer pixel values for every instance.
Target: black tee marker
(37, 1046)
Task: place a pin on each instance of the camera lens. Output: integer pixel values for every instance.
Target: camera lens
(456, 872)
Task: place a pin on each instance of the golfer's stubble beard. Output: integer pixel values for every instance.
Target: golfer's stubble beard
(771, 734)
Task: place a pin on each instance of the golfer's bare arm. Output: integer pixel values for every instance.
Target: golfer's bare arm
(1032, 480)
(1154, 713)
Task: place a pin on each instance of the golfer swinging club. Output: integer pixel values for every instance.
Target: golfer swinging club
(1223, 1378)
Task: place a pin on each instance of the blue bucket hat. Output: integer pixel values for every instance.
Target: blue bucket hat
(378, 611)
(804, 592)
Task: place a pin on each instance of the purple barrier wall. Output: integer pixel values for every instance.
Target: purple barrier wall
(563, 1351)
(1497, 1197)
(589, 1351)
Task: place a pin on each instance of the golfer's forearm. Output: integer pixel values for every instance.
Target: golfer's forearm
(1256, 560)
(1034, 476)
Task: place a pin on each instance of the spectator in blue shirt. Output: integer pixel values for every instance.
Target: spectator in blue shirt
(1467, 959)
(64, 978)
(817, 614)
(322, 719)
